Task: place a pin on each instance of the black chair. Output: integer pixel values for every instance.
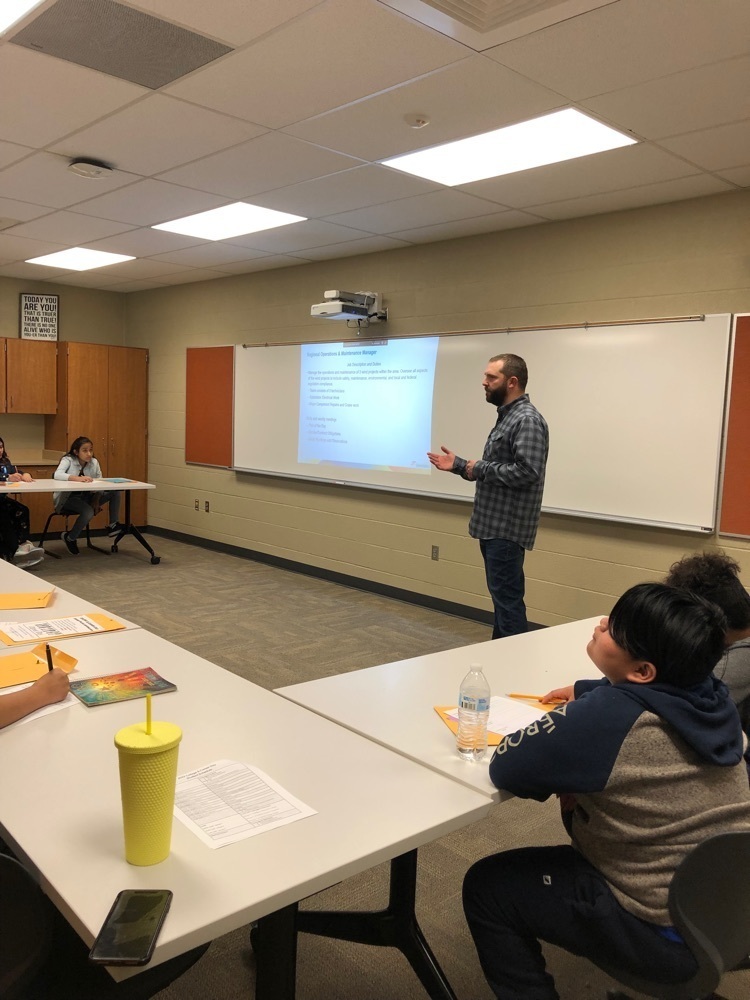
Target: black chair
(709, 903)
(42, 958)
(66, 515)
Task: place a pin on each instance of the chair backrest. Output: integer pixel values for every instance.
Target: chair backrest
(25, 928)
(709, 900)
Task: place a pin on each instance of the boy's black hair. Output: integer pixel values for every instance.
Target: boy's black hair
(681, 633)
(6, 456)
(715, 576)
(78, 444)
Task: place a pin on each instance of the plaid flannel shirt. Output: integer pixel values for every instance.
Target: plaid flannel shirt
(510, 475)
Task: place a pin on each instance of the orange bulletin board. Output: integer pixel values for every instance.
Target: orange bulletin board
(735, 497)
(209, 406)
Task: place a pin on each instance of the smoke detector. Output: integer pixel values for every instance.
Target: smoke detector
(91, 169)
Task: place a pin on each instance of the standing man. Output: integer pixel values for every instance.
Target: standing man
(510, 482)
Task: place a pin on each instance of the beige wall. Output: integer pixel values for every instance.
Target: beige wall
(677, 259)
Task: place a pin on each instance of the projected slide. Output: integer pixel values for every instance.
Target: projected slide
(367, 405)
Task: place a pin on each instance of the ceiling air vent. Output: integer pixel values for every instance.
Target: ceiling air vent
(118, 40)
(484, 23)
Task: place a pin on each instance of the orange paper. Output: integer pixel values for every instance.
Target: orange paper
(20, 668)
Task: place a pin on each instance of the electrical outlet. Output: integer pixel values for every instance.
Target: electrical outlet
(197, 505)
(205, 506)
(436, 552)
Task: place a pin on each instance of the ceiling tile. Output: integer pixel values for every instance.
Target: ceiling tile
(698, 98)
(341, 192)
(472, 96)
(298, 236)
(21, 210)
(68, 227)
(20, 248)
(11, 151)
(714, 148)
(149, 202)
(63, 96)
(194, 274)
(144, 268)
(371, 244)
(269, 263)
(144, 242)
(287, 76)
(98, 277)
(209, 255)
(470, 227)
(232, 21)
(648, 194)
(410, 213)
(627, 43)
(737, 175)
(32, 272)
(270, 161)
(143, 285)
(608, 171)
(45, 177)
(169, 132)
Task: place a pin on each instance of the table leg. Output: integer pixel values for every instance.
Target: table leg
(394, 927)
(275, 946)
(130, 529)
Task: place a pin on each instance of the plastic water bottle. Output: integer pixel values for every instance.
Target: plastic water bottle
(473, 714)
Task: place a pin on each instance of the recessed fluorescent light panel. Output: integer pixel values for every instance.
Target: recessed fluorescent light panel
(78, 259)
(238, 219)
(563, 135)
(13, 10)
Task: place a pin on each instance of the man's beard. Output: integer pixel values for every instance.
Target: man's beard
(497, 395)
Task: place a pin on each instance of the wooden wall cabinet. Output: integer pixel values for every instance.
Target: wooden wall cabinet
(28, 377)
(102, 393)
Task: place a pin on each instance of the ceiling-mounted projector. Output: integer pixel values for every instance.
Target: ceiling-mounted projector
(364, 307)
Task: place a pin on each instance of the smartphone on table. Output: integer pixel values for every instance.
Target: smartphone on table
(128, 935)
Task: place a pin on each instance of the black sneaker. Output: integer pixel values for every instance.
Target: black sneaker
(114, 529)
(70, 543)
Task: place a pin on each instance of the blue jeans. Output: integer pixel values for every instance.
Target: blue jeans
(503, 567)
(82, 504)
(515, 900)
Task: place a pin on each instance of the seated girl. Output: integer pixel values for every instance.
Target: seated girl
(79, 466)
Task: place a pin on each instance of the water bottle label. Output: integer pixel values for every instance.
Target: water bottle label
(471, 704)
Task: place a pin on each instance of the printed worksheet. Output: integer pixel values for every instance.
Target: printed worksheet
(57, 628)
(507, 716)
(227, 801)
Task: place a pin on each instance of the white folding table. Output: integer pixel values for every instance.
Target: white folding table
(60, 811)
(97, 486)
(393, 704)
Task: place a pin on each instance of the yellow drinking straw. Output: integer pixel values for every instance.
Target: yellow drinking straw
(148, 715)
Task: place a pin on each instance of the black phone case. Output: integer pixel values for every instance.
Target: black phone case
(98, 957)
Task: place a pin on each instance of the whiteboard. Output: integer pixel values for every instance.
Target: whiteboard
(635, 414)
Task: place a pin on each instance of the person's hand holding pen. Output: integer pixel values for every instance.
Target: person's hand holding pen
(80, 479)
(51, 687)
(559, 695)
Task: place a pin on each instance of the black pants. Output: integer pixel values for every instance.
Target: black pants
(515, 900)
(18, 514)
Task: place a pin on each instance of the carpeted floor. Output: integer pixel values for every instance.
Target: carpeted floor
(275, 628)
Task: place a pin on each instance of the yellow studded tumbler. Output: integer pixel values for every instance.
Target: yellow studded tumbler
(148, 773)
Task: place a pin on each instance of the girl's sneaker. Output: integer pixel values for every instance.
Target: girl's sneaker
(70, 543)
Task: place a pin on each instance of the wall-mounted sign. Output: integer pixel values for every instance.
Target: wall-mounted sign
(39, 316)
